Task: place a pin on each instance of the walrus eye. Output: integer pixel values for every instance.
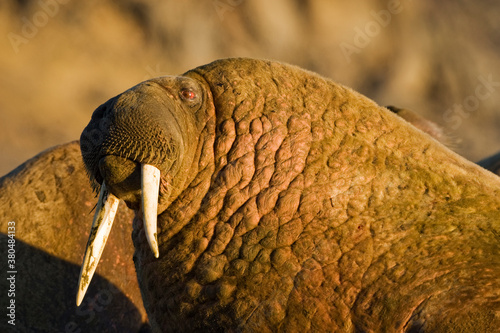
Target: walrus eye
(188, 95)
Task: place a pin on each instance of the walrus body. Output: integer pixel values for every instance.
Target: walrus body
(291, 203)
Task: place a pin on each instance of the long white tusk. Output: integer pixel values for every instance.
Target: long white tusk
(101, 226)
(150, 185)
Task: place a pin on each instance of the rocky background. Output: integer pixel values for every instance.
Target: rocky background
(60, 59)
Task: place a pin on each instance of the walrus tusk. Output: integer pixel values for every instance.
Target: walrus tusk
(150, 184)
(101, 226)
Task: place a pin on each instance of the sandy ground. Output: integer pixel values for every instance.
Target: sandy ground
(60, 59)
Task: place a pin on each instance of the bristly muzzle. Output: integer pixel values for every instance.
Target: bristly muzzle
(126, 131)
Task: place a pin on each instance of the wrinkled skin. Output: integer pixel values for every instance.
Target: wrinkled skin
(54, 219)
(50, 200)
(291, 203)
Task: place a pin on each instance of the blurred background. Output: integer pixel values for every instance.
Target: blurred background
(60, 59)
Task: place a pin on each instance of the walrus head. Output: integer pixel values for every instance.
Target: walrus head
(136, 148)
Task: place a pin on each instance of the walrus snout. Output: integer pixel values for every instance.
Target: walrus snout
(144, 129)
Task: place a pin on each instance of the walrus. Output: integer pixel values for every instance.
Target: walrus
(269, 198)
